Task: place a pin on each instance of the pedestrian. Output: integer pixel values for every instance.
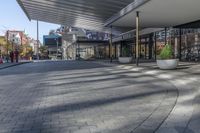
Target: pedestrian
(16, 56)
(12, 56)
(1, 60)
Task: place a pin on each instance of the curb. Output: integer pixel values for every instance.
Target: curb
(171, 122)
(151, 124)
(12, 65)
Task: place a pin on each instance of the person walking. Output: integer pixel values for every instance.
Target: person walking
(12, 56)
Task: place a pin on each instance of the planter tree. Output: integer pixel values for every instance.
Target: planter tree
(126, 57)
(167, 60)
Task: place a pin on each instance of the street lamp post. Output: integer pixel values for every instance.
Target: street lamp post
(56, 39)
(57, 49)
(7, 33)
(37, 39)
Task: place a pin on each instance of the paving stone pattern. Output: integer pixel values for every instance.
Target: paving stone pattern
(82, 97)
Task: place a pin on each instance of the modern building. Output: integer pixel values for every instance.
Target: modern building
(142, 26)
(84, 44)
(54, 44)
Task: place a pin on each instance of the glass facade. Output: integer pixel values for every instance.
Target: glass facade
(185, 44)
(190, 44)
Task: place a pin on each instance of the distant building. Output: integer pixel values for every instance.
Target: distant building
(54, 44)
(35, 46)
(3, 46)
(17, 37)
(84, 44)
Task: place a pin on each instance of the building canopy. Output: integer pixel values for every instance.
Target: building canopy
(158, 14)
(87, 14)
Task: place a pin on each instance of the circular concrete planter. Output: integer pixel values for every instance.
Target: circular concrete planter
(125, 60)
(168, 64)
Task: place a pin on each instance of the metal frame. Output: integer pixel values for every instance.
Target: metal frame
(89, 14)
(23, 8)
(137, 38)
(134, 5)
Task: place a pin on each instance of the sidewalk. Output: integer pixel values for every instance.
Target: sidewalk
(7, 65)
(185, 116)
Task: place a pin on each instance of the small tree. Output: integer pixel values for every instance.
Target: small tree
(5, 46)
(166, 52)
(125, 52)
(43, 51)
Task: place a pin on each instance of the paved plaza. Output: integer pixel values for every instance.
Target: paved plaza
(96, 97)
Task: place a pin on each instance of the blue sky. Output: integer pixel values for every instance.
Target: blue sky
(13, 18)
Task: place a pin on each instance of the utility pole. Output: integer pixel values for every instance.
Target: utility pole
(37, 40)
(7, 33)
(57, 48)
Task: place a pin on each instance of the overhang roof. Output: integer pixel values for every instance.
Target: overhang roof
(87, 14)
(158, 14)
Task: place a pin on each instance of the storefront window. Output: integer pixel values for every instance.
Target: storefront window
(190, 44)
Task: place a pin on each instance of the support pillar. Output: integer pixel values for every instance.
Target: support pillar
(121, 47)
(135, 51)
(115, 51)
(145, 54)
(109, 54)
(137, 38)
(111, 48)
(151, 46)
(155, 39)
(165, 36)
(79, 55)
(180, 44)
(140, 45)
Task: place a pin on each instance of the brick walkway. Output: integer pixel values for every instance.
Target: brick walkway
(82, 97)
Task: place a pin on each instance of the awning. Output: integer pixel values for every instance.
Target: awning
(87, 14)
(158, 14)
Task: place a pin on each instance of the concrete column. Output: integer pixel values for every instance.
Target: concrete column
(150, 46)
(180, 44)
(137, 38)
(121, 47)
(155, 39)
(115, 51)
(165, 36)
(140, 47)
(111, 48)
(176, 47)
(145, 54)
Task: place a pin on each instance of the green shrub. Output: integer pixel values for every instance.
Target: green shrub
(126, 52)
(166, 52)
